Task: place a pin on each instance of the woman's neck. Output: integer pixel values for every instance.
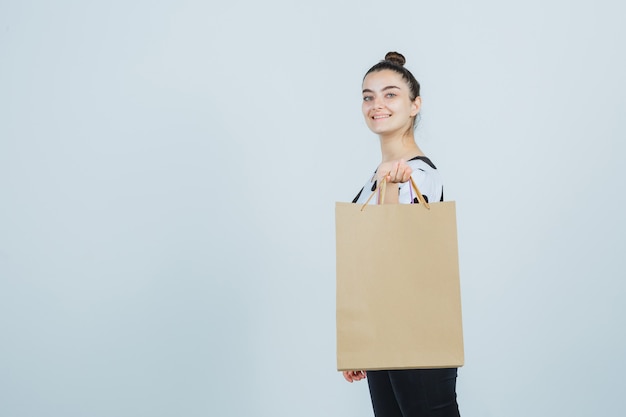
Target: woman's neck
(399, 147)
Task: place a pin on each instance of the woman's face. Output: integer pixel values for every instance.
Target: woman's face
(387, 106)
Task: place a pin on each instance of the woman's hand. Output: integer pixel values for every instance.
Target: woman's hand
(395, 171)
(352, 376)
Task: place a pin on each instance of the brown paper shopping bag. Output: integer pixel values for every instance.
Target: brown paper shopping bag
(398, 292)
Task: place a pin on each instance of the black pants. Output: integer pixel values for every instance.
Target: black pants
(414, 393)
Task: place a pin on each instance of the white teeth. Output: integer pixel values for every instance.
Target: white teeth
(381, 117)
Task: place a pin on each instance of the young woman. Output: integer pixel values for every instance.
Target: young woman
(391, 105)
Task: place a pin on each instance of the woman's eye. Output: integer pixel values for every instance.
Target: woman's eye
(391, 95)
(367, 98)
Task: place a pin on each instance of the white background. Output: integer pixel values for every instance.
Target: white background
(168, 173)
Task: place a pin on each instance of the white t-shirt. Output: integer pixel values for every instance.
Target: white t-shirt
(424, 174)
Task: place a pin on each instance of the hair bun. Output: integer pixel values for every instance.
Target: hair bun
(396, 58)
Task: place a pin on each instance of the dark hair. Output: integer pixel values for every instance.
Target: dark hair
(395, 61)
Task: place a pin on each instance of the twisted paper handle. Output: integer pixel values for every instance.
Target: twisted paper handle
(382, 188)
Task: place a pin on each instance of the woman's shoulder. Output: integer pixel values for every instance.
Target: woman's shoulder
(422, 162)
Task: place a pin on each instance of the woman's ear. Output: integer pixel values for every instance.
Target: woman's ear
(416, 106)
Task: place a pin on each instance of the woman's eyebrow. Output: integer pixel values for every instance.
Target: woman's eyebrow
(367, 90)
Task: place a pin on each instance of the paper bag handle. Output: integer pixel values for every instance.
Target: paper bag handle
(383, 188)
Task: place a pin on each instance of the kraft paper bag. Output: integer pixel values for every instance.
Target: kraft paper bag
(398, 290)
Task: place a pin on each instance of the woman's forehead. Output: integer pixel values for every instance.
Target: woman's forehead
(382, 79)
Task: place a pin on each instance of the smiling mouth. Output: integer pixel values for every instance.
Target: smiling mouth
(381, 116)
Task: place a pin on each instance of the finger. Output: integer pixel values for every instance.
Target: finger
(402, 166)
(397, 170)
(407, 174)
